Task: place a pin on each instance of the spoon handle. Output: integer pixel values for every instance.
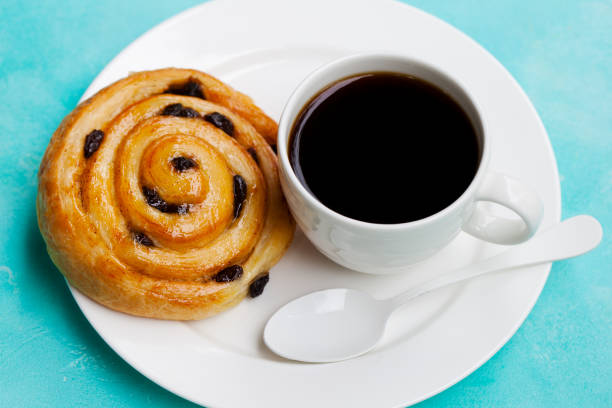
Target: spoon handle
(572, 237)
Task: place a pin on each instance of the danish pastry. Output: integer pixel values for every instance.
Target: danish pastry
(159, 196)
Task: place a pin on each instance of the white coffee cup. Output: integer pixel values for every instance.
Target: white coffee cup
(386, 248)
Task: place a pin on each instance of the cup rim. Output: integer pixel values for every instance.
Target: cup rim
(290, 112)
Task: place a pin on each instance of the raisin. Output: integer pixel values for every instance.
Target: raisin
(92, 142)
(253, 154)
(142, 239)
(221, 122)
(231, 273)
(182, 209)
(172, 110)
(256, 287)
(189, 88)
(154, 200)
(176, 109)
(273, 146)
(183, 163)
(240, 193)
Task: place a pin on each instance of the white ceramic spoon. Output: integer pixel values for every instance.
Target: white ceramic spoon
(338, 324)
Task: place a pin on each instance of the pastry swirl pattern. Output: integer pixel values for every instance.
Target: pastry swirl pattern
(159, 196)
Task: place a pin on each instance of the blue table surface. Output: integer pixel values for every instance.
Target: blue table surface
(559, 51)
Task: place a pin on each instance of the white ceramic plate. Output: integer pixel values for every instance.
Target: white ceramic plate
(264, 48)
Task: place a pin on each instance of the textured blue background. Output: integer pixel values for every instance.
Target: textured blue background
(559, 51)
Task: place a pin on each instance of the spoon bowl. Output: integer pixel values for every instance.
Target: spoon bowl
(328, 325)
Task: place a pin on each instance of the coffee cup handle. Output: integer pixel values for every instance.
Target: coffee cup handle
(510, 193)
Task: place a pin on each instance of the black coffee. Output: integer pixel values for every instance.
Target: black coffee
(384, 148)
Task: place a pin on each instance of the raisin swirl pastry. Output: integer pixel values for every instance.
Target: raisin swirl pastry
(159, 196)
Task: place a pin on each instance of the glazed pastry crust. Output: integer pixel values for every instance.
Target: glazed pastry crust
(89, 209)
